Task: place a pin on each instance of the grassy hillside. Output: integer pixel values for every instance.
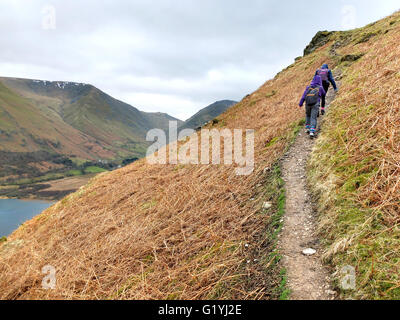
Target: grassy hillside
(201, 232)
(72, 120)
(355, 166)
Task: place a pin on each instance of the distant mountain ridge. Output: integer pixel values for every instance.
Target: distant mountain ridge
(72, 111)
(68, 123)
(207, 114)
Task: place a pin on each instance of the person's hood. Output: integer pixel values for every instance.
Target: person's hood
(325, 66)
(317, 81)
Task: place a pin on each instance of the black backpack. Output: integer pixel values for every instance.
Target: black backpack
(312, 97)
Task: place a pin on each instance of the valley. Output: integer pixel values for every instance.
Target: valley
(53, 131)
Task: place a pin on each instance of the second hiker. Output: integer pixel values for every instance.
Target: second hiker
(312, 97)
(326, 75)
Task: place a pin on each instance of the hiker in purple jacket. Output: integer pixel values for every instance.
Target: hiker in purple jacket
(327, 77)
(312, 97)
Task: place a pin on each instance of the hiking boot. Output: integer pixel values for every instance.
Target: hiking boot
(312, 134)
(323, 112)
(308, 131)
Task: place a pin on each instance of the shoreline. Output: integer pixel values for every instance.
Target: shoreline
(32, 199)
(50, 191)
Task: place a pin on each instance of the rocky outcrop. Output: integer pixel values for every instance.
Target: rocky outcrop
(319, 40)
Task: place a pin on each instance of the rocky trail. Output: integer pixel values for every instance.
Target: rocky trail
(308, 279)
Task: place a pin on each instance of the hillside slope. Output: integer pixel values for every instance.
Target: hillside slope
(202, 232)
(208, 113)
(355, 165)
(72, 120)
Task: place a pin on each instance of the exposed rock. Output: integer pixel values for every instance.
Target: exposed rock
(319, 40)
(351, 57)
(309, 252)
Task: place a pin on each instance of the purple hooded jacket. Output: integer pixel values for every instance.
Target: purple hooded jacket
(317, 81)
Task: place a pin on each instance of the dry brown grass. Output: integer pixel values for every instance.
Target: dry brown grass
(163, 231)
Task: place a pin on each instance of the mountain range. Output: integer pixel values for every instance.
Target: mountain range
(48, 126)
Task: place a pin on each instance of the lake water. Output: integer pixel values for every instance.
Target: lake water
(14, 212)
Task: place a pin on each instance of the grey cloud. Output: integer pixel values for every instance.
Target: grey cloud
(167, 47)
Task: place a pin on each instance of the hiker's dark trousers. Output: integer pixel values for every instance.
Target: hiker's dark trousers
(325, 84)
(311, 115)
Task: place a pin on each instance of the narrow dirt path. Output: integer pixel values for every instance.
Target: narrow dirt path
(307, 277)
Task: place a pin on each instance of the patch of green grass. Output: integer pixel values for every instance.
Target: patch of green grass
(44, 178)
(149, 204)
(272, 142)
(271, 94)
(253, 102)
(283, 289)
(78, 161)
(276, 190)
(94, 169)
(72, 173)
(302, 123)
(295, 129)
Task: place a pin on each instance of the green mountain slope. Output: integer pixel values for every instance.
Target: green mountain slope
(74, 120)
(208, 113)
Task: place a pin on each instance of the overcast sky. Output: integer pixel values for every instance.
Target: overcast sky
(174, 56)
